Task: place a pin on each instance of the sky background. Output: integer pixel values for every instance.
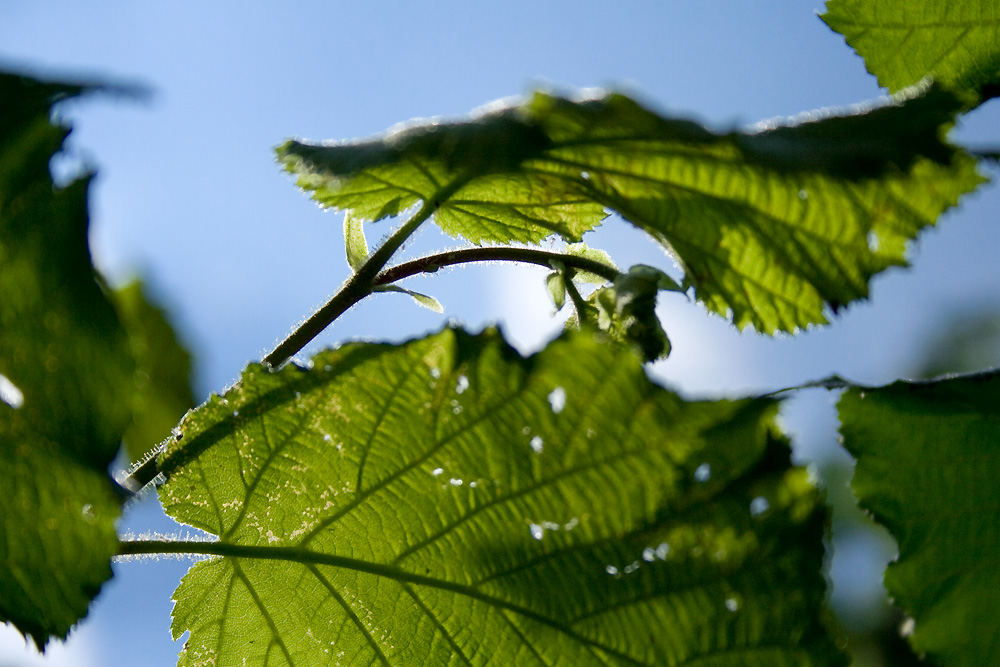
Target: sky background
(188, 194)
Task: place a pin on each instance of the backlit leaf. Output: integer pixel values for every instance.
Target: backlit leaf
(450, 502)
(928, 460)
(596, 254)
(428, 302)
(626, 311)
(902, 41)
(354, 241)
(68, 373)
(555, 284)
(772, 227)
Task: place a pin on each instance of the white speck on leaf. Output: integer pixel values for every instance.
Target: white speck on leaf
(759, 505)
(703, 473)
(462, 384)
(557, 399)
(536, 444)
(10, 394)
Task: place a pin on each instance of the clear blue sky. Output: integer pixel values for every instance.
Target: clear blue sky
(188, 194)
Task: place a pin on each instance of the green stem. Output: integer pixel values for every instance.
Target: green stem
(579, 303)
(357, 287)
(432, 263)
(294, 554)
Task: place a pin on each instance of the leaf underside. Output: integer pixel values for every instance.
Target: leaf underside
(449, 502)
(771, 227)
(902, 41)
(67, 372)
(928, 457)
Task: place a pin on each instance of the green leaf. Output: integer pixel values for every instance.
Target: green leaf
(903, 41)
(626, 311)
(771, 227)
(354, 241)
(555, 284)
(68, 377)
(595, 254)
(449, 502)
(428, 302)
(928, 460)
(470, 170)
(57, 517)
(162, 381)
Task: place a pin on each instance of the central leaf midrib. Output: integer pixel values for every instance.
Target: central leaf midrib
(305, 557)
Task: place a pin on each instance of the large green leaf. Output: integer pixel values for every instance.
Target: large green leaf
(928, 461)
(902, 41)
(449, 502)
(65, 373)
(771, 227)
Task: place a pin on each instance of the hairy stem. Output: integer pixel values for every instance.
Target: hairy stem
(432, 263)
(311, 559)
(579, 303)
(357, 287)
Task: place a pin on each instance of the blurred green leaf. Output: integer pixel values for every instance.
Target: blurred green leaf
(68, 378)
(162, 381)
(927, 468)
(447, 500)
(903, 41)
(57, 517)
(772, 227)
(966, 339)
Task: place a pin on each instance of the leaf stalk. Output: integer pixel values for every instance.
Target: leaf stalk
(357, 287)
(432, 263)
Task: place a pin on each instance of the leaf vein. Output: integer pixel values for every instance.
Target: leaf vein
(276, 636)
(328, 585)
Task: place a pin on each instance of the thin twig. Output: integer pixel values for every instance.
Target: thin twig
(432, 263)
